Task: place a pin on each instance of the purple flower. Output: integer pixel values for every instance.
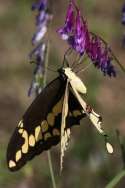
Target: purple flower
(123, 15)
(42, 19)
(76, 32)
(100, 55)
(38, 57)
(94, 48)
(75, 29)
(80, 34)
(40, 5)
(38, 54)
(39, 34)
(67, 30)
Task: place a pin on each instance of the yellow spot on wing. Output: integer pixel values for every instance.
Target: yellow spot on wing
(32, 141)
(76, 113)
(58, 107)
(20, 131)
(56, 132)
(12, 164)
(44, 126)
(37, 132)
(46, 136)
(20, 124)
(25, 145)
(18, 155)
(109, 148)
(51, 119)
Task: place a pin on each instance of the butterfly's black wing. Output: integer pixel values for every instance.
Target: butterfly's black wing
(75, 113)
(39, 128)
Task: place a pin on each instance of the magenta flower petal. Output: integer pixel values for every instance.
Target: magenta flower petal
(100, 56)
(67, 29)
(80, 34)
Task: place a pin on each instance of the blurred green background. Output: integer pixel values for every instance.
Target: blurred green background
(86, 163)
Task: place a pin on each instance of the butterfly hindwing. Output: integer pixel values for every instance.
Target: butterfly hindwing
(40, 127)
(75, 111)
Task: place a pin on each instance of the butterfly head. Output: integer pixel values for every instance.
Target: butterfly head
(62, 74)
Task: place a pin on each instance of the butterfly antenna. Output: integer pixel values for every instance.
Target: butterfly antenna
(52, 70)
(80, 61)
(84, 69)
(76, 61)
(121, 144)
(65, 59)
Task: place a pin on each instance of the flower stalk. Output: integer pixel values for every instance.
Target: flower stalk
(48, 152)
(39, 56)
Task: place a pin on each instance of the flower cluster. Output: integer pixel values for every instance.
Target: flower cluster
(42, 19)
(75, 31)
(38, 54)
(100, 55)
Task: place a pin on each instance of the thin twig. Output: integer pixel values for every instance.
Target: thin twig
(48, 152)
(51, 169)
(116, 180)
(85, 68)
(121, 144)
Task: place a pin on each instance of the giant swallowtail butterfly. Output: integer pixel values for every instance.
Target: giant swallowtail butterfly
(49, 118)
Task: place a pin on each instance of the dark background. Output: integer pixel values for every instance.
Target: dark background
(86, 163)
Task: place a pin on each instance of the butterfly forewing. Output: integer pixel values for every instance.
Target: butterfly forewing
(39, 128)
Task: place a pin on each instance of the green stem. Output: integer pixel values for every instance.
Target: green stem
(117, 61)
(116, 180)
(51, 169)
(48, 152)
